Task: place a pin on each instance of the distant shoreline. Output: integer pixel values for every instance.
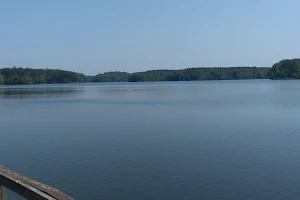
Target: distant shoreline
(283, 70)
(82, 83)
(190, 74)
(28, 76)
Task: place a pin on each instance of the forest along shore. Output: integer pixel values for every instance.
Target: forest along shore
(285, 69)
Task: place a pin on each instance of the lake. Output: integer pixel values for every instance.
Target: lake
(166, 140)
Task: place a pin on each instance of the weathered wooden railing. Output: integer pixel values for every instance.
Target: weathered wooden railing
(27, 188)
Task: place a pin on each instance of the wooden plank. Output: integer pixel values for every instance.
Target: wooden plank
(2, 193)
(24, 190)
(28, 188)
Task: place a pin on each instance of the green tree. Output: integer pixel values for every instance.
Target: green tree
(15, 76)
(2, 79)
(286, 69)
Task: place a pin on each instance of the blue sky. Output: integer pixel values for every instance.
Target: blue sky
(93, 36)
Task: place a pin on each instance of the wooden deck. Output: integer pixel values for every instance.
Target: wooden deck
(26, 187)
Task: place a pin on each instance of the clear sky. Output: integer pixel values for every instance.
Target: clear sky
(93, 36)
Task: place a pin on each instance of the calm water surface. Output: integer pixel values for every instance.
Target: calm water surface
(182, 140)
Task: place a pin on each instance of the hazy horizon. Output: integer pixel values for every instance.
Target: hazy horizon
(133, 36)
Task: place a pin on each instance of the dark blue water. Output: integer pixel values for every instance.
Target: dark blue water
(182, 140)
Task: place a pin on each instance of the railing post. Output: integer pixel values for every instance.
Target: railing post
(2, 193)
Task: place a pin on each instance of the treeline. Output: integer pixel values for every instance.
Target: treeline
(286, 69)
(110, 77)
(22, 76)
(191, 74)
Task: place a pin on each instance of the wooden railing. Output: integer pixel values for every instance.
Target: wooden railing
(26, 187)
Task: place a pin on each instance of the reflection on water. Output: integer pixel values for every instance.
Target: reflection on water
(38, 92)
(219, 94)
